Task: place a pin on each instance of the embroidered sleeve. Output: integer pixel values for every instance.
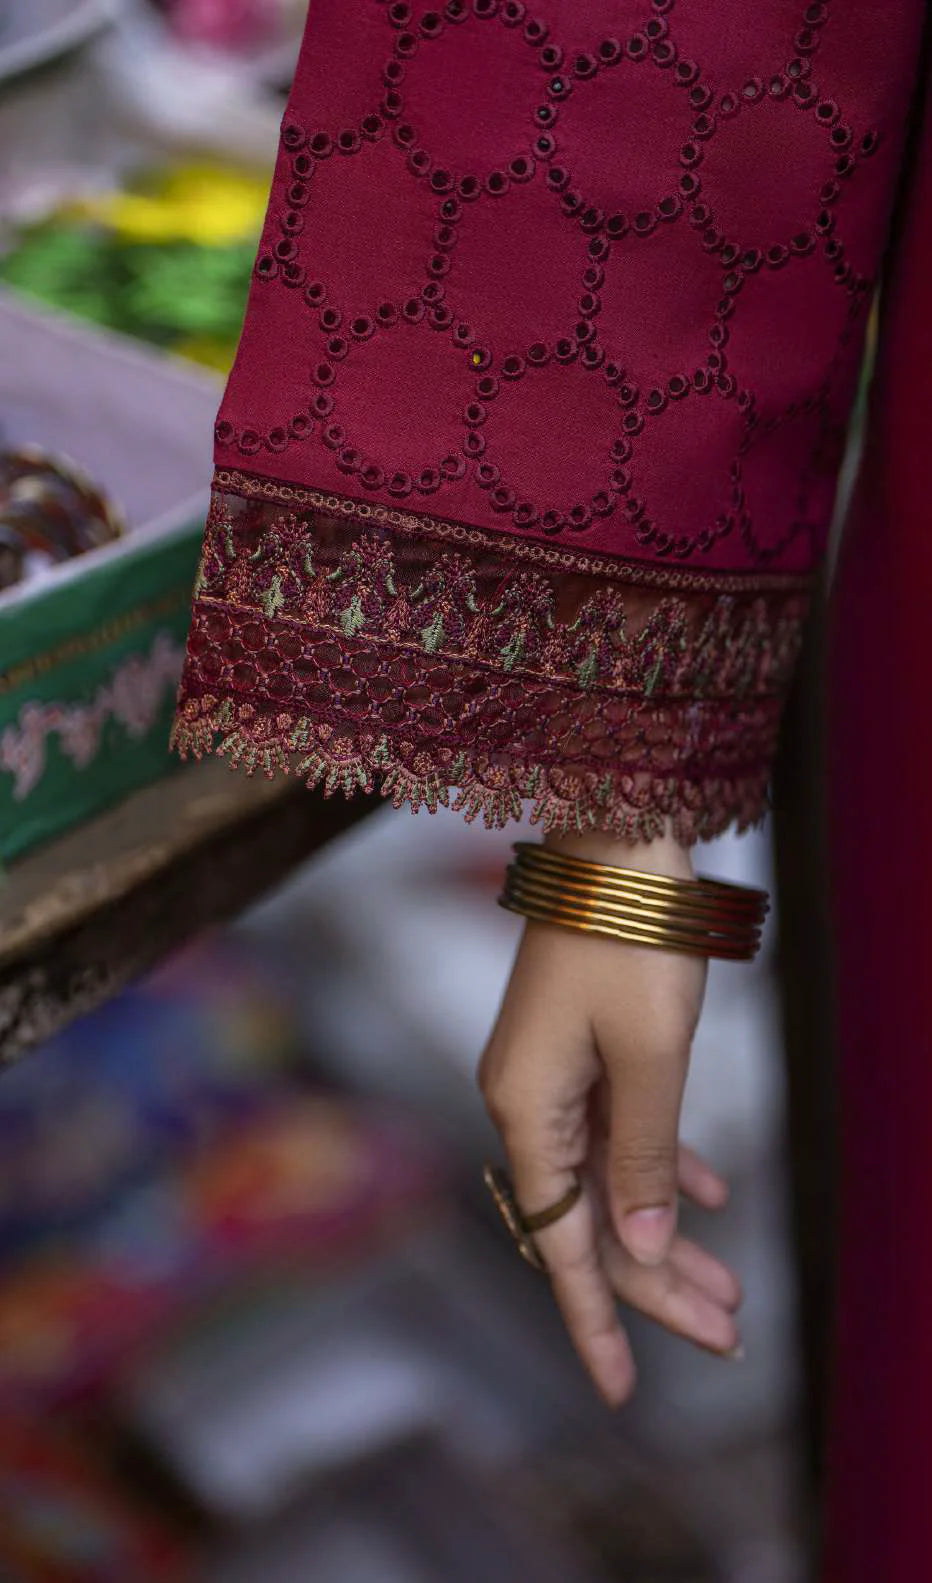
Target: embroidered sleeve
(529, 451)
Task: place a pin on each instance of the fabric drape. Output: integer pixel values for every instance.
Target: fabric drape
(880, 1463)
(530, 446)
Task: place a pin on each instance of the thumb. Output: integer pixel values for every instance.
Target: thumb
(642, 1154)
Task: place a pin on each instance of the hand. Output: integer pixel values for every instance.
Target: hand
(584, 1072)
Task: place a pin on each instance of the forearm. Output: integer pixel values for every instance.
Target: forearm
(664, 855)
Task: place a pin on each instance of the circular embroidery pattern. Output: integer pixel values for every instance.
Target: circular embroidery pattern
(597, 280)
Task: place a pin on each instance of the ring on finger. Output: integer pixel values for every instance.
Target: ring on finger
(522, 1225)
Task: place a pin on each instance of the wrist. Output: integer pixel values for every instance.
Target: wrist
(663, 855)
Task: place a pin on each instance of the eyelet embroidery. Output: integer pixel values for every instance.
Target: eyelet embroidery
(377, 519)
(652, 44)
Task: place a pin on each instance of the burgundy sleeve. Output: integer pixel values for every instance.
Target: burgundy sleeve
(529, 452)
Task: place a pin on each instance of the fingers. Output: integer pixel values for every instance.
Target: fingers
(581, 1287)
(644, 1014)
(670, 1295)
(699, 1182)
(536, 1076)
(587, 1061)
(682, 1294)
(643, 1176)
(709, 1274)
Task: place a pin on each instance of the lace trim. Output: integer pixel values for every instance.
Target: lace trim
(632, 807)
(297, 497)
(359, 657)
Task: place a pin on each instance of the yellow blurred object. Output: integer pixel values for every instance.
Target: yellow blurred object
(210, 351)
(207, 204)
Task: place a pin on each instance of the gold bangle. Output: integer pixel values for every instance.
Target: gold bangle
(700, 917)
(619, 890)
(592, 905)
(633, 935)
(743, 898)
(645, 929)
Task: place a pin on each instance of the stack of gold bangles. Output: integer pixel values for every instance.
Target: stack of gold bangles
(701, 917)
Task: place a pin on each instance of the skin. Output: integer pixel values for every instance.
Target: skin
(584, 1071)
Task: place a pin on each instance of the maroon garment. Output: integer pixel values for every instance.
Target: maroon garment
(880, 1511)
(530, 445)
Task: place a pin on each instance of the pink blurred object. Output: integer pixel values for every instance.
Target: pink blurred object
(226, 24)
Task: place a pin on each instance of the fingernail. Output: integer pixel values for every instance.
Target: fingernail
(647, 1233)
(737, 1354)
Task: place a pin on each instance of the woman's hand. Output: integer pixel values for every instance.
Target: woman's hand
(584, 1072)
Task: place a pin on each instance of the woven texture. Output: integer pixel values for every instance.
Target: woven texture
(530, 447)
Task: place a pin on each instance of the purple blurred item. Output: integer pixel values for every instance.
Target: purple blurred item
(162, 1070)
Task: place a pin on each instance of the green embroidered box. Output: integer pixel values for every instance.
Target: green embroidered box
(90, 654)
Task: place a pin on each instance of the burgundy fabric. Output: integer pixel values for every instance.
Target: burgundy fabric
(573, 304)
(433, 655)
(880, 1511)
(665, 198)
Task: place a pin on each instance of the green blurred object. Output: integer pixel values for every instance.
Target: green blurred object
(165, 293)
(166, 259)
(90, 655)
(91, 649)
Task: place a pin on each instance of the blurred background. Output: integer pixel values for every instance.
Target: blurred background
(256, 1320)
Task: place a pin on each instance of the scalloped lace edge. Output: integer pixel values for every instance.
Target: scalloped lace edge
(631, 805)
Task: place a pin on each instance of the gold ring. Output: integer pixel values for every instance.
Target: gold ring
(520, 1225)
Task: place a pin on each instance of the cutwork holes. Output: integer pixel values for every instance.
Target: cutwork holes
(348, 459)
